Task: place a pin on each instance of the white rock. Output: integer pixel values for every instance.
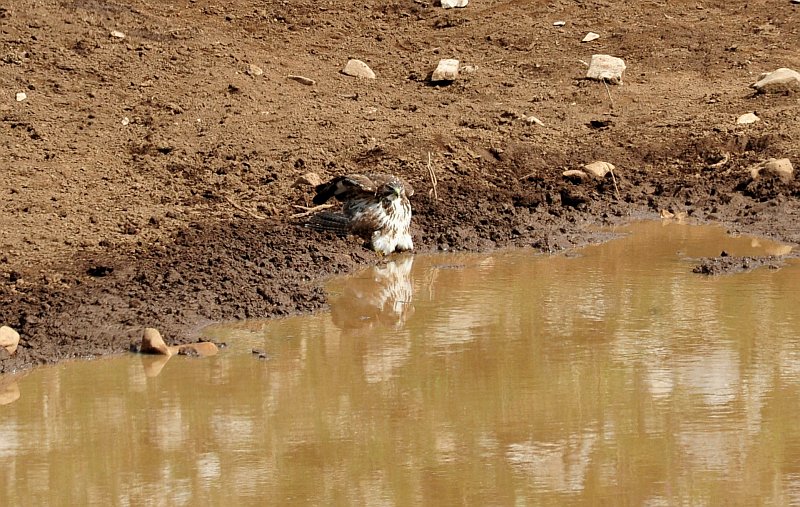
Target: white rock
(21, 96)
(447, 70)
(450, 4)
(126, 121)
(599, 169)
(781, 167)
(153, 343)
(302, 80)
(778, 81)
(590, 37)
(117, 34)
(606, 68)
(747, 118)
(357, 68)
(468, 69)
(559, 23)
(254, 70)
(532, 120)
(9, 339)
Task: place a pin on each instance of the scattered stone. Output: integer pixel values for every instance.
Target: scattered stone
(260, 354)
(9, 339)
(117, 34)
(302, 80)
(21, 96)
(667, 214)
(590, 37)
(575, 175)
(747, 118)
(606, 68)
(532, 120)
(199, 349)
(781, 167)
(307, 180)
(778, 81)
(468, 69)
(599, 169)
(126, 121)
(254, 70)
(446, 71)
(153, 343)
(357, 68)
(559, 23)
(451, 4)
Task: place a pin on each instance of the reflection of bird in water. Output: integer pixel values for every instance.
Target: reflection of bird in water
(381, 295)
(376, 208)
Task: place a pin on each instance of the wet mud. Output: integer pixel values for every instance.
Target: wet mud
(151, 180)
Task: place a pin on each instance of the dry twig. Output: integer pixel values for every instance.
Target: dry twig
(434, 181)
(725, 158)
(616, 189)
(243, 210)
(310, 211)
(609, 94)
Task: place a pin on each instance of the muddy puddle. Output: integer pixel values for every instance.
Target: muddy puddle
(612, 375)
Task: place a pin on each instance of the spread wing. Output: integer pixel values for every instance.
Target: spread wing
(351, 186)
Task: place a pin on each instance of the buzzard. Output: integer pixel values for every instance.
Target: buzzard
(376, 208)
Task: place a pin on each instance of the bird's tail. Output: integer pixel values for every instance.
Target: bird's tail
(329, 221)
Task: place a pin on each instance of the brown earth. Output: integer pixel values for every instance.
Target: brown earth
(148, 180)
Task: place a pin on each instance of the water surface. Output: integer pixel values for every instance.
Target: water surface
(611, 375)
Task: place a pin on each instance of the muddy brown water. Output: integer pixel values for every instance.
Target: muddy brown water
(612, 374)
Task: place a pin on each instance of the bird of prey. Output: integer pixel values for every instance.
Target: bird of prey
(375, 208)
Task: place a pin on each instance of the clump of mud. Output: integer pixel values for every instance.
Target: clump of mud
(726, 264)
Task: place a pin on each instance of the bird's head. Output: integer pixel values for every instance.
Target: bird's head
(393, 190)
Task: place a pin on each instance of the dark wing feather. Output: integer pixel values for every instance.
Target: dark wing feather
(344, 188)
(329, 221)
(350, 186)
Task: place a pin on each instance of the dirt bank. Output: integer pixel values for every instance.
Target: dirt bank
(148, 174)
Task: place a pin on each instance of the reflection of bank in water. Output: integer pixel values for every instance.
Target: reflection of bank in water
(380, 296)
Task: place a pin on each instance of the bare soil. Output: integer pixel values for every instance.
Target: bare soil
(150, 180)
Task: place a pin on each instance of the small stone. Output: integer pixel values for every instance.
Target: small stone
(126, 121)
(599, 169)
(21, 96)
(778, 81)
(153, 343)
(199, 349)
(575, 175)
(302, 80)
(590, 37)
(307, 180)
(447, 70)
(117, 34)
(667, 214)
(559, 23)
(254, 70)
(532, 120)
(468, 69)
(606, 68)
(747, 119)
(451, 4)
(781, 167)
(9, 339)
(357, 68)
